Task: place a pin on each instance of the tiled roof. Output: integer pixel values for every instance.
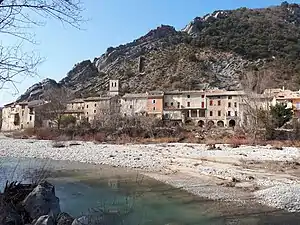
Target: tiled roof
(135, 95)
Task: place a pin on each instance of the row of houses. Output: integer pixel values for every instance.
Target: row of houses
(201, 108)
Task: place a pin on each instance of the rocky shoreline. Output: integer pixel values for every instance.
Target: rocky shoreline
(269, 176)
(37, 204)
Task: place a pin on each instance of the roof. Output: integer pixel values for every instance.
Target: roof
(35, 103)
(9, 104)
(135, 95)
(226, 93)
(155, 94)
(100, 98)
(184, 92)
(77, 100)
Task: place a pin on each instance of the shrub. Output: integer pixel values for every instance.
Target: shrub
(29, 132)
(100, 137)
(237, 141)
(46, 134)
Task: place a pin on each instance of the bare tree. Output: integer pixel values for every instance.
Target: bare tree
(55, 106)
(17, 18)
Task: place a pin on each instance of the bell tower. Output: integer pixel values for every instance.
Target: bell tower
(114, 87)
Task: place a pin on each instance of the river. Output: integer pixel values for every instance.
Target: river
(85, 188)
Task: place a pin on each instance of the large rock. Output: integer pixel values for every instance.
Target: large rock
(84, 220)
(64, 219)
(45, 220)
(42, 201)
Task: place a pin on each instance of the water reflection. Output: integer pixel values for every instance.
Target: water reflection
(132, 199)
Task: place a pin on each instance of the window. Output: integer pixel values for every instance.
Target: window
(236, 113)
(125, 114)
(87, 106)
(30, 118)
(219, 113)
(82, 108)
(211, 102)
(219, 102)
(95, 111)
(23, 106)
(166, 104)
(235, 104)
(154, 108)
(229, 97)
(202, 96)
(188, 96)
(229, 104)
(95, 105)
(202, 113)
(153, 101)
(178, 105)
(130, 106)
(211, 113)
(30, 110)
(202, 105)
(229, 113)
(188, 104)
(87, 113)
(22, 113)
(72, 105)
(172, 104)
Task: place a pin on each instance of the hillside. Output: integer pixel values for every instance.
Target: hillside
(230, 49)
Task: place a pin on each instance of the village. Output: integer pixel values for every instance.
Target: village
(201, 108)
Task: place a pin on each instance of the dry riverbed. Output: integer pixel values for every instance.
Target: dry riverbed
(242, 174)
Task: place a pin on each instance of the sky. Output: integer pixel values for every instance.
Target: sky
(110, 23)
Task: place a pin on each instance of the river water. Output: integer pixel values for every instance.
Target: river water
(85, 189)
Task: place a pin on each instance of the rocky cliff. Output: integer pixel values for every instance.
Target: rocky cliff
(221, 49)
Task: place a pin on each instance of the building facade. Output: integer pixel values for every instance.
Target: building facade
(207, 108)
(134, 104)
(155, 103)
(18, 116)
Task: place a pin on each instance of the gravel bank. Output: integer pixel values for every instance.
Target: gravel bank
(207, 173)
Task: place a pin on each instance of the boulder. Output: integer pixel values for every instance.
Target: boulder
(64, 219)
(81, 221)
(42, 201)
(45, 220)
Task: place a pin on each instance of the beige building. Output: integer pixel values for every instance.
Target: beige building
(185, 106)
(223, 108)
(134, 104)
(19, 115)
(93, 107)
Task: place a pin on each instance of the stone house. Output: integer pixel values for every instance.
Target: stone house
(155, 103)
(185, 106)
(134, 104)
(92, 107)
(19, 115)
(223, 108)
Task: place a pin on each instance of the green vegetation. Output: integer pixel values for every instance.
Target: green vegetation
(280, 114)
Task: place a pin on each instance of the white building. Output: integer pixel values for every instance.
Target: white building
(134, 104)
(19, 115)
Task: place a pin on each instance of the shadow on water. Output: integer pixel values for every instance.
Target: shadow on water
(84, 188)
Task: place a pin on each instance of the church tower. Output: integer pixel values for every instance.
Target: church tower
(114, 87)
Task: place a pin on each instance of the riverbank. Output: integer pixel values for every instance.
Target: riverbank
(242, 174)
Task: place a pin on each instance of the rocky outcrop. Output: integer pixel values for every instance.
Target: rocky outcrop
(42, 201)
(22, 204)
(36, 91)
(45, 220)
(216, 50)
(64, 219)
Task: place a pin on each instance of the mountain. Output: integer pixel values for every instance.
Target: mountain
(230, 49)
